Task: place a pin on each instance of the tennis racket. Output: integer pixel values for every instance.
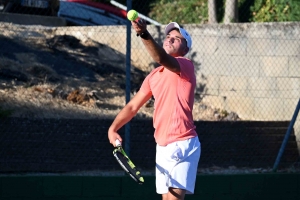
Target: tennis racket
(126, 163)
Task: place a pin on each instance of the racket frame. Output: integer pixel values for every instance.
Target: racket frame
(132, 172)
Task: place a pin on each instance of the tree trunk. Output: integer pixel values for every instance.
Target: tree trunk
(230, 11)
(212, 12)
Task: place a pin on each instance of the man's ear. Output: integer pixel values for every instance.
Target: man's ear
(186, 50)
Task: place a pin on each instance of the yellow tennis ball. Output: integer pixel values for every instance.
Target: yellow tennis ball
(132, 15)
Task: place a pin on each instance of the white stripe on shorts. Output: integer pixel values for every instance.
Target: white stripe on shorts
(176, 165)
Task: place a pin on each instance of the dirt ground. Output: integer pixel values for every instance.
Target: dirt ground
(63, 77)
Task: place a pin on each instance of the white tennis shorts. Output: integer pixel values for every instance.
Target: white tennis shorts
(176, 165)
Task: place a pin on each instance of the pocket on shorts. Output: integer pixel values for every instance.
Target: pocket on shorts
(177, 154)
(186, 148)
(178, 151)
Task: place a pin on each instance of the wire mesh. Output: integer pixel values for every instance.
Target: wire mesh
(63, 80)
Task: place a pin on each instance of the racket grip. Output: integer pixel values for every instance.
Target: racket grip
(118, 143)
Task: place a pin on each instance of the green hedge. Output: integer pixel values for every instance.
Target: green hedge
(196, 11)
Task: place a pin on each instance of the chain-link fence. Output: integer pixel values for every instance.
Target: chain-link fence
(63, 79)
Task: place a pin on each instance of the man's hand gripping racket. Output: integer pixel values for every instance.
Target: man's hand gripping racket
(126, 163)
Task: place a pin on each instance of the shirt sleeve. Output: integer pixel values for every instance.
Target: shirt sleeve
(187, 70)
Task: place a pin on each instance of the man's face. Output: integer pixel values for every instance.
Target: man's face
(175, 44)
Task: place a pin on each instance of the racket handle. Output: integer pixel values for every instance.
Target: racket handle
(118, 143)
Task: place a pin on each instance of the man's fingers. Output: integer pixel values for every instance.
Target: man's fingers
(141, 22)
(113, 141)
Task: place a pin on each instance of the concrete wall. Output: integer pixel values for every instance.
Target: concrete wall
(251, 68)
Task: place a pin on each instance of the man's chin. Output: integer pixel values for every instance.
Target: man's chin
(169, 51)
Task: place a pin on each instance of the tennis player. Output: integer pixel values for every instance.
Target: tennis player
(172, 85)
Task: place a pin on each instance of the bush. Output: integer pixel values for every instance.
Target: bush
(183, 12)
(275, 11)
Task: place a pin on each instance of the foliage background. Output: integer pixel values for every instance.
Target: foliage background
(196, 11)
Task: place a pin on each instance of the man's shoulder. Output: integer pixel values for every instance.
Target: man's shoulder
(185, 62)
(187, 68)
(183, 58)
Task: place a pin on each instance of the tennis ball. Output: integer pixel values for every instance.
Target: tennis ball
(132, 15)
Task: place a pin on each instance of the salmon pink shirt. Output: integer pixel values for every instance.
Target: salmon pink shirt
(174, 100)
